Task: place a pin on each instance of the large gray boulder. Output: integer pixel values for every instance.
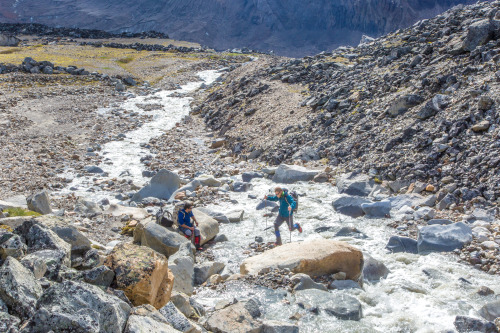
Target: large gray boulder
(288, 174)
(39, 202)
(146, 319)
(46, 263)
(40, 238)
(465, 324)
(209, 227)
(350, 206)
(161, 186)
(80, 244)
(443, 238)
(355, 184)
(19, 289)
(248, 176)
(87, 207)
(479, 33)
(377, 209)
(182, 266)
(79, 307)
(490, 311)
(8, 40)
(218, 216)
(148, 233)
(242, 187)
(99, 276)
(11, 245)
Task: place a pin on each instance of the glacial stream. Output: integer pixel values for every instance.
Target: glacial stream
(406, 301)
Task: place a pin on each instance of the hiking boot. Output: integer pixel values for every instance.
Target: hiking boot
(199, 248)
(299, 228)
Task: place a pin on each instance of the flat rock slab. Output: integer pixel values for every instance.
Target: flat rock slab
(118, 210)
(335, 304)
(289, 174)
(313, 257)
(443, 238)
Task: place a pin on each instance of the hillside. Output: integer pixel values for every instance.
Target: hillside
(418, 104)
(294, 28)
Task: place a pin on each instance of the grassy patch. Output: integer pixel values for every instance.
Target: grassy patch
(6, 227)
(13, 212)
(10, 51)
(125, 60)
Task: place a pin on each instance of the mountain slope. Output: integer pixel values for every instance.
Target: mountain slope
(294, 27)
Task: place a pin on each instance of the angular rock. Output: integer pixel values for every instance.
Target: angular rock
(266, 204)
(304, 281)
(40, 203)
(432, 107)
(481, 126)
(146, 319)
(78, 307)
(490, 311)
(373, 269)
(162, 186)
(465, 324)
(80, 244)
(344, 284)
(40, 238)
(142, 274)
(336, 304)
(350, 206)
(355, 184)
(209, 227)
(234, 318)
(235, 215)
(99, 276)
(8, 323)
(401, 105)
(182, 266)
(312, 257)
(46, 263)
(443, 238)
(377, 209)
(479, 33)
(148, 233)
(288, 174)
(181, 302)
(19, 289)
(87, 207)
(177, 320)
(248, 176)
(11, 245)
(274, 326)
(242, 187)
(205, 270)
(402, 244)
(36, 265)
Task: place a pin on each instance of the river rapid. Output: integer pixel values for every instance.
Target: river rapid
(408, 300)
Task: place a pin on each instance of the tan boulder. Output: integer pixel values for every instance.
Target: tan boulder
(209, 227)
(134, 212)
(313, 257)
(142, 274)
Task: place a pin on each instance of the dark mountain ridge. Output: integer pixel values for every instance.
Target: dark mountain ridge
(293, 28)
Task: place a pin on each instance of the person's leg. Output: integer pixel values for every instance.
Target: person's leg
(295, 226)
(187, 232)
(197, 238)
(277, 223)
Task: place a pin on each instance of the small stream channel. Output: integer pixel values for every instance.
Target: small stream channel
(406, 301)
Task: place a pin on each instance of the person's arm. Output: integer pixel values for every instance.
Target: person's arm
(291, 203)
(195, 221)
(180, 217)
(271, 197)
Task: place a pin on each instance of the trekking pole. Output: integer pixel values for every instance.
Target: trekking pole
(265, 210)
(290, 228)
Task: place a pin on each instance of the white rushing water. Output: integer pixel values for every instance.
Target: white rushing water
(407, 301)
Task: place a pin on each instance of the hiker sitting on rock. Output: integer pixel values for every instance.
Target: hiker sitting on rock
(287, 205)
(186, 226)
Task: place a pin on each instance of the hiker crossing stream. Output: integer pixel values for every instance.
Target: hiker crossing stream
(421, 293)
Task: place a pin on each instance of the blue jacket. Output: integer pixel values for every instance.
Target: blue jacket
(184, 218)
(285, 201)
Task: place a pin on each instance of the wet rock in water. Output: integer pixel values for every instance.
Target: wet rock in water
(205, 270)
(336, 304)
(289, 174)
(402, 244)
(324, 229)
(93, 169)
(40, 203)
(490, 311)
(242, 187)
(8, 323)
(485, 291)
(443, 238)
(218, 216)
(146, 318)
(71, 307)
(176, 319)
(87, 207)
(11, 245)
(209, 227)
(142, 274)
(373, 269)
(266, 204)
(233, 318)
(350, 206)
(377, 209)
(99, 276)
(350, 232)
(344, 284)
(19, 289)
(148, 233)
(274, 326)
(465, 324)
(162, 186)
(182, 266)
(221, 238)
(304, 281)
(312, 257)
(355, 184)
(248, 176)
(235, 215)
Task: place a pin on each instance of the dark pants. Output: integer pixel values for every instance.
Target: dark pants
(278, 222)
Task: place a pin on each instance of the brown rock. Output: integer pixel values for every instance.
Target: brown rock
(481, 126)
(430, 188)
(180, 196)
(314, 257)
(142, 274)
